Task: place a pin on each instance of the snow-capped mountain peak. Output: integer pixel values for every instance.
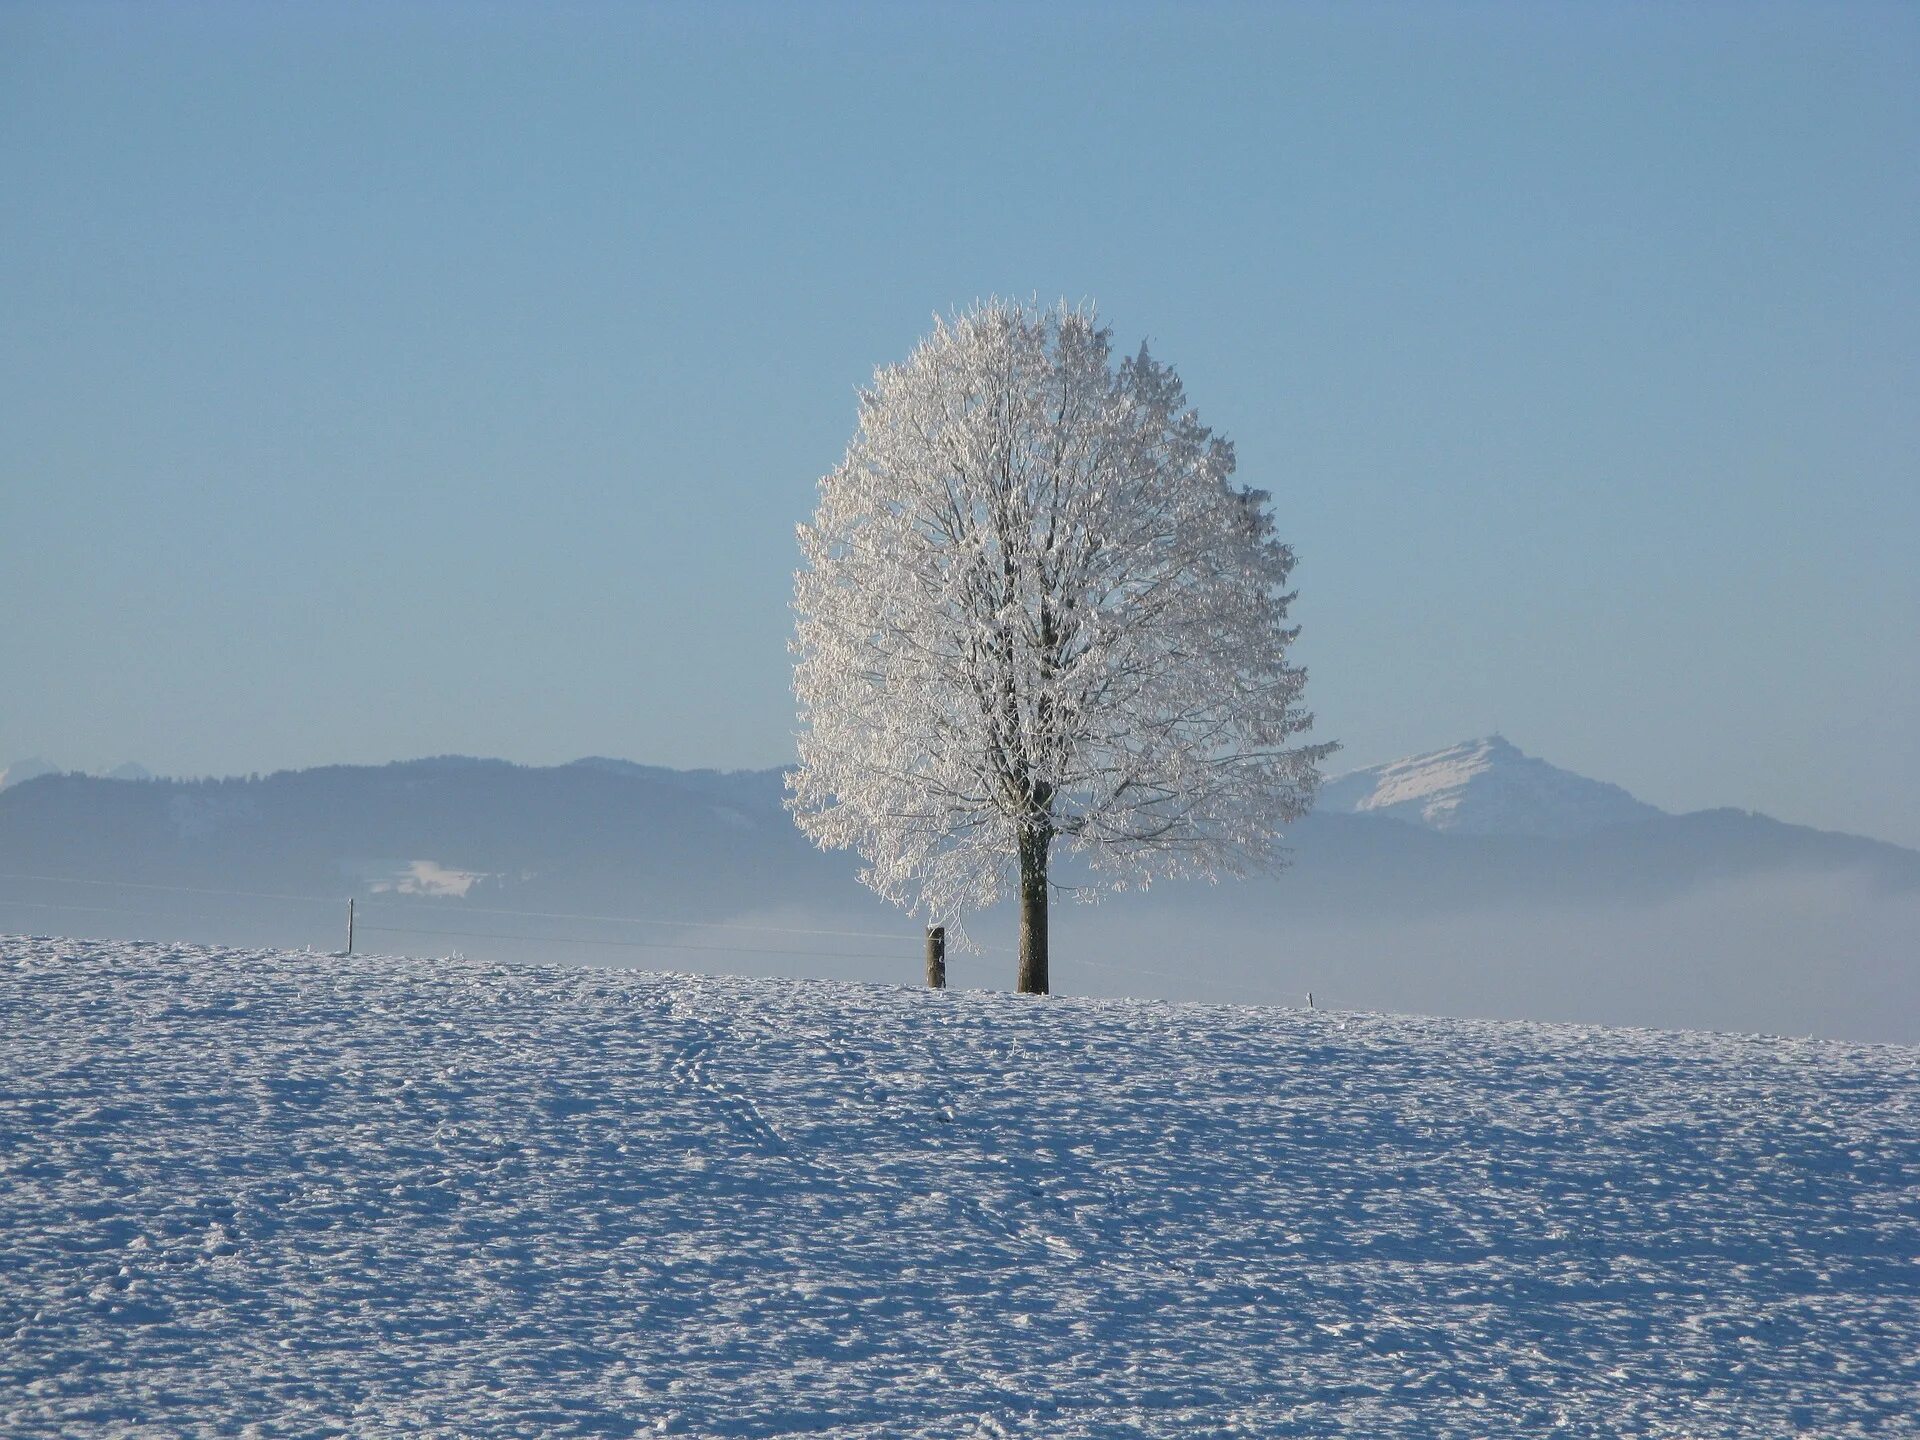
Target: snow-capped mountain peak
(1487, 786)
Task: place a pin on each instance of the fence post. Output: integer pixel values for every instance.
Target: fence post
(937, 956)
(349, 925)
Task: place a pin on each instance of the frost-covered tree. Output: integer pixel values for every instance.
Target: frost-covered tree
(1035, 610)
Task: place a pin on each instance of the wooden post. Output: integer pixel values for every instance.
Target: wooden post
(349, 925)
(937, 956)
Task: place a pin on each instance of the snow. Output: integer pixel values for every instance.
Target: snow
(265, 1193)
(1485, 787)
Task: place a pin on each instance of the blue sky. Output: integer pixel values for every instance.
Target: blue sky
(388, 380)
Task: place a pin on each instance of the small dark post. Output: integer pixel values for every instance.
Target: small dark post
(349, 925)
(937, 956)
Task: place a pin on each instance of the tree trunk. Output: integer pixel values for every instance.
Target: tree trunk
(1033, 911)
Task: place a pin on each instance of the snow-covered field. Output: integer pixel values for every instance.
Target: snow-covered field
(275, 1194)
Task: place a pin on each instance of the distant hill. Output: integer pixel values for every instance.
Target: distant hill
(21, 771)
(595, 833)
(1472, 880)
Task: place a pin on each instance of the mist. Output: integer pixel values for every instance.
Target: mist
(1819, 954)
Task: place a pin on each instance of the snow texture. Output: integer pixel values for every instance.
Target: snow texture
(1485, 787)
(249, 1193)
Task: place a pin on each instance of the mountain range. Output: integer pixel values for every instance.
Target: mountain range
(1475, 879)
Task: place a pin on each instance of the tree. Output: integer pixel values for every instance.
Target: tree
(1036, 610)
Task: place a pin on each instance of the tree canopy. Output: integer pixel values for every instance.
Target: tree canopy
(1035, 610)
